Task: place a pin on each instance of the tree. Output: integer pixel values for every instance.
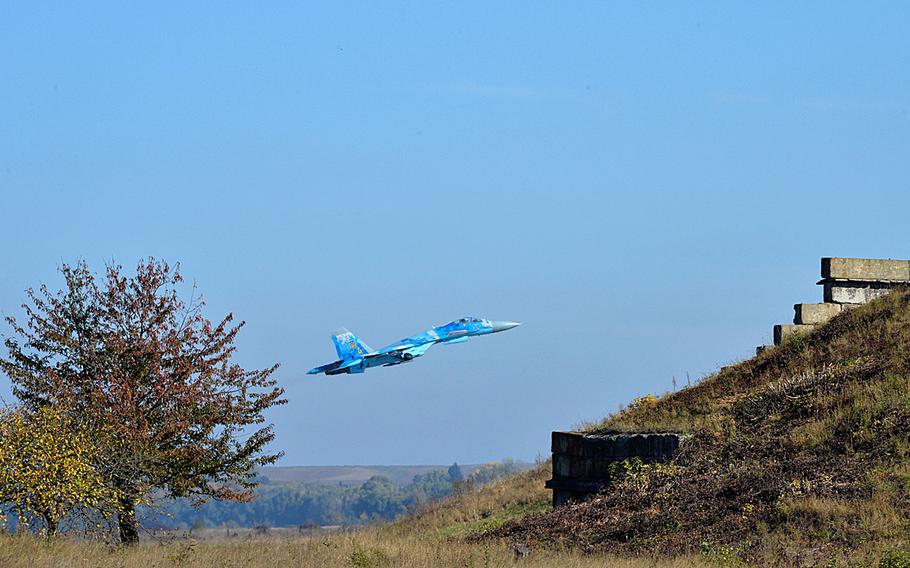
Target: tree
(127, 354)
(48, 467)
(494, 471)
(455, 473)
(432, 485)
(377, 498)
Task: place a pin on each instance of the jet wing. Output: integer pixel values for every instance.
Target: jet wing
(415, 349)
(401, 348)
(337, 367)
(420, 349)
(349, 364)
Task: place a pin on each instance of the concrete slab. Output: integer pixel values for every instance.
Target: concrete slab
(784, 331)
(812, 314)
(866, 269)
(854, 292)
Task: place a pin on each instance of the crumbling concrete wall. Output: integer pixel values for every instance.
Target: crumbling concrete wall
(582, 462)
(847, 283)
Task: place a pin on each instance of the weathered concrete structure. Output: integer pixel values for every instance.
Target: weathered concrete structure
(583, 463)
(847, 283)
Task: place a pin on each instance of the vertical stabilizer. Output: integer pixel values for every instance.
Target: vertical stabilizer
(348, 346)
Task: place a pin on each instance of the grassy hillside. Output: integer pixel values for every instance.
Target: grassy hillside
(481, 509)
(799, 456)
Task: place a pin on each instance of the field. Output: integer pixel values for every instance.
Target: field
(361, 549)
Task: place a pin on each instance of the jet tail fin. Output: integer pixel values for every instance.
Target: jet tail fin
(349, 346)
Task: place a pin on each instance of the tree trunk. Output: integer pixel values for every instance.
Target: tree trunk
(51, 525)
(126, 519)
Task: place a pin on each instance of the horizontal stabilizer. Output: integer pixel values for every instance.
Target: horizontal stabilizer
(323, 369)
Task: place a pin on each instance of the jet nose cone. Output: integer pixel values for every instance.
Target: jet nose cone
(503, 325)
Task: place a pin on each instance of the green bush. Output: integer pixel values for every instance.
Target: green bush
(895, 559)
(368, 558)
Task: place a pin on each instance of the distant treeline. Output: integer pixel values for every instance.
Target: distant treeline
(288, 504)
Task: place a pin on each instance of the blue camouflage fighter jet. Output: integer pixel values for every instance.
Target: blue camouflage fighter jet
(355, 356)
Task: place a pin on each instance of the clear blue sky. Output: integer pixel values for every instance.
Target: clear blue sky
(648, 188)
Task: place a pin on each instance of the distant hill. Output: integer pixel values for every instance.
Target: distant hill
(354, 474)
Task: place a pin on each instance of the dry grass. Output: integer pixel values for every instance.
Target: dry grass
(368, 548)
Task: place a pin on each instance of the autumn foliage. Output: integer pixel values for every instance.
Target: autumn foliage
(49, 468)
(126, 355)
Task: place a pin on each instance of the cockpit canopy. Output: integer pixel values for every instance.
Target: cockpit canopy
(468, 320)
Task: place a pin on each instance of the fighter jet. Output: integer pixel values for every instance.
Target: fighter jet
(355, 356)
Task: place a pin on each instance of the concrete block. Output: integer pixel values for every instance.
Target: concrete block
(866, 269)
(783, 331)
(582, 462)
(811, 314)
(854, 292)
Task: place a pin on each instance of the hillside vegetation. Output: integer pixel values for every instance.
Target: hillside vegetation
(798, 456)
(482, 509)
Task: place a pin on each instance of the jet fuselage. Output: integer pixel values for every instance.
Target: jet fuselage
(356, 356)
